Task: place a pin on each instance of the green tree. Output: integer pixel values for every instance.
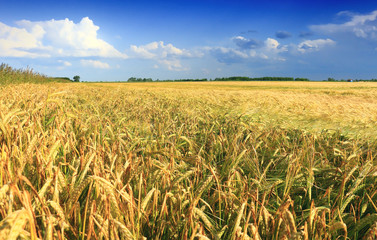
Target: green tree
(76, 78)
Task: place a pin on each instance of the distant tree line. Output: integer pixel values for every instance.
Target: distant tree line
(133, 79)
(63, 78)
(75, 78)
(350, 80)
(261, 79)
(240, 78)
(185, 80)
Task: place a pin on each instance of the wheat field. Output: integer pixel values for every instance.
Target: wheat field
(209, 160)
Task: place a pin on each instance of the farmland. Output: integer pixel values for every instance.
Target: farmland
(208, 160)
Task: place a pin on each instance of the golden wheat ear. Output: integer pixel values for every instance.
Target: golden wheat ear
(13, 225)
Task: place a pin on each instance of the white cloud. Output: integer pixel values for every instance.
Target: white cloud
(263, 56)
(173, 65)
(95, 64)
(244, 43)
(361, 25)
(270, 49)
(65, 63)
(227, 55)
(314, 45)
(252, 53)
(158, 50)
(142, 52)
(165, 54)
(54, 38)
(17, 42)
(272, 45)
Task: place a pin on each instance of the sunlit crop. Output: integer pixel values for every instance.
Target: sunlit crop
(212, 160)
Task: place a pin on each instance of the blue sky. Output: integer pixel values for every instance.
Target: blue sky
(114, 40)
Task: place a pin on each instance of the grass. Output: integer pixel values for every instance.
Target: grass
(9, 75)
(188, 161)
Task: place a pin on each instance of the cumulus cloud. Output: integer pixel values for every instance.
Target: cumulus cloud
(361, 25)
(54, 38)
(245, 43)
(283, 34)
(272, 45)
(17, 42)
(165, 54)
(95, 64)
(173, 64)
(65, 63)
(270, 49)
(158, 50)
(314, 45)
(227, 55)
(143, 51)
